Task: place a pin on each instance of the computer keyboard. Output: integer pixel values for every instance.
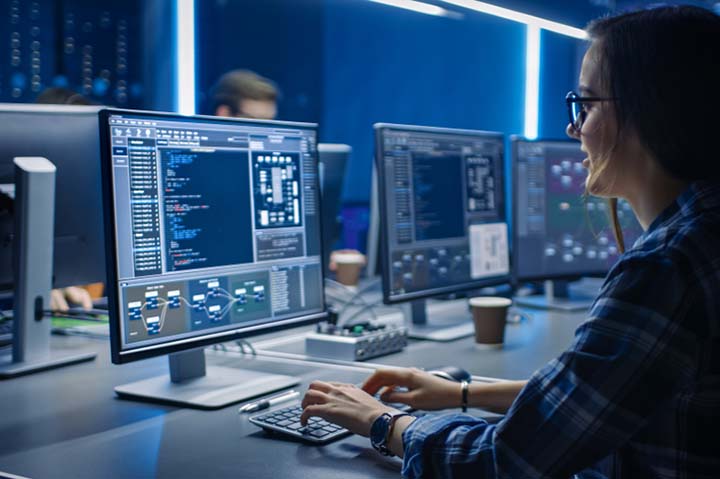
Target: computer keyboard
(287, 421)
(317, 431)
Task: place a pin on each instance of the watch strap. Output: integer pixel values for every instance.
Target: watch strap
(381, 429)
(464, 385)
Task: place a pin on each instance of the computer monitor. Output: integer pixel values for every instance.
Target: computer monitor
(442, 221)
(213, 230)
(333, 158)
(558, 233)
(68, 137)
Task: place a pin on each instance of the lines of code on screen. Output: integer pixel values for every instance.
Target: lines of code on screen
(437, 199)
(206, 223)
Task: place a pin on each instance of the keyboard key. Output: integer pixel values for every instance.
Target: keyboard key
(288, 421)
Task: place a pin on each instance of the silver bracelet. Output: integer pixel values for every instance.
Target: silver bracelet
(464, 388)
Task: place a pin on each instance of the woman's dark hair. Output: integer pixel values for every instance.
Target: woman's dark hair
(663, 66)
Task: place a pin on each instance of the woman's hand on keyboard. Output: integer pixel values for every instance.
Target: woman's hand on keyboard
(342, 404)
(420, 390)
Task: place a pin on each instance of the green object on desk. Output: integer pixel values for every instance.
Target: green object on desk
(95, 328)
(73, 323)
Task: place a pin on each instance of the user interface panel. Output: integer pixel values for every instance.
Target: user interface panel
(216, 225)
(559, 231)
(443, 209)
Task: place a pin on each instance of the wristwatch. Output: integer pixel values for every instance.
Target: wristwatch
(380, 429)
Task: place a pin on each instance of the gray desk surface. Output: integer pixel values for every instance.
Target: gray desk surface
(528, 345)
(66, 422)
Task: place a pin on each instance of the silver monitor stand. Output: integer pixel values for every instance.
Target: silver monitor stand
(449, 320)
(34, 219)
(192, 384)
(557, 297)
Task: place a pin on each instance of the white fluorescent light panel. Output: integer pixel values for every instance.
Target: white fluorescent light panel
(532, 81)
(185, 47)
(516, 16)
(416, 6)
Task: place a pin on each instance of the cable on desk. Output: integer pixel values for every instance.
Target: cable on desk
(242, 343)
(355, 295)
(348, 321)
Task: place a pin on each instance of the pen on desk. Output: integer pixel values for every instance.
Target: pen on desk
(266, 403)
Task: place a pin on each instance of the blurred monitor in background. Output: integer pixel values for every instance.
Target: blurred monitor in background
(62, 298)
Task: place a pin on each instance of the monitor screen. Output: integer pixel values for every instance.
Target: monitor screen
(67, 136)
(557, 231)
(442, 204)
(214, 227)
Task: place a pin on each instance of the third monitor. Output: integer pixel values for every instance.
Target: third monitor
(559, 233)
(442, 218)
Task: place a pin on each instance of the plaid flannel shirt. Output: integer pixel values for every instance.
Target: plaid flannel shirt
(640, 384)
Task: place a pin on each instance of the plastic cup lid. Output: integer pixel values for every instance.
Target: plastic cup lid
(489, 302)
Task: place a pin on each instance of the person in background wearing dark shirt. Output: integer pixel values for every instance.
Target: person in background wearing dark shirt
(637, 393)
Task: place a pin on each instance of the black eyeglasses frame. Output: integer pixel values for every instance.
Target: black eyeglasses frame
(577, 118)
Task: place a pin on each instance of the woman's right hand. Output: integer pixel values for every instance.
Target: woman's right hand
(424, 391)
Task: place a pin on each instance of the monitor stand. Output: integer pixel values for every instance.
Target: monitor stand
(33, 246)
(192, 384)
(448, 322)
(557, 297)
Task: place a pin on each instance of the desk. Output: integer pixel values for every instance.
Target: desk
(529, 345)
(66, 422)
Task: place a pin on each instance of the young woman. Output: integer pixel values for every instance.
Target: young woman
(640, 384)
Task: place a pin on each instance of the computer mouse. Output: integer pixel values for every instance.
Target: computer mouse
(451, 373)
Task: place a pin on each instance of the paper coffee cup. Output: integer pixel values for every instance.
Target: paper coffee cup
(489, 317)
(348, 267)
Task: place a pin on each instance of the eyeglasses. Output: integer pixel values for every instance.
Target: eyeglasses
(576, 108)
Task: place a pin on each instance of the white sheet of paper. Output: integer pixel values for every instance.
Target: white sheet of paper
(489, 251)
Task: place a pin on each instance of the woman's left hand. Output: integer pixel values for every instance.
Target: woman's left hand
(343, 404)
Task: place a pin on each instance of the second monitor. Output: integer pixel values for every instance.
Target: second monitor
(442, 221)
(559, 234)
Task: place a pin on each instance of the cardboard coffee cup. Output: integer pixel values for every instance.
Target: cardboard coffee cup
(489, 316)
(348, 266)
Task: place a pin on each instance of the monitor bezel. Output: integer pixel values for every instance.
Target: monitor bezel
(389, 298)
(119, 355)
(515, 140)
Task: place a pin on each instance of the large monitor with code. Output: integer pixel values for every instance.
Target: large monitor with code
(442, 205)
(559, 233)
(214, 234)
